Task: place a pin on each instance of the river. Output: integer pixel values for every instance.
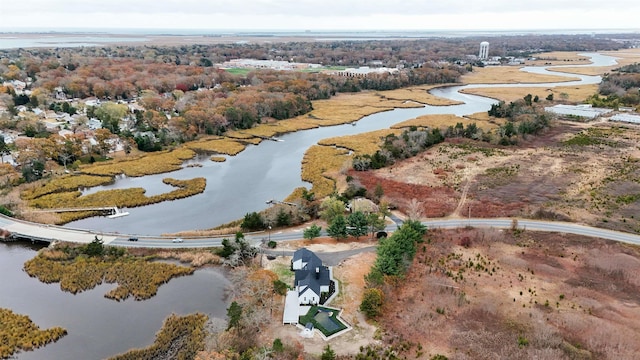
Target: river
(271, 170)
(99, 327)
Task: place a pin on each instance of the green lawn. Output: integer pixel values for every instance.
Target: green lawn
(284, 273)
(239, 71)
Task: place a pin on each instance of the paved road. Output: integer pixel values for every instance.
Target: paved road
(328, 258)
(49, 233)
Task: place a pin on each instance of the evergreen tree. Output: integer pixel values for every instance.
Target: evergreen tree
(338, 228)
(357, 224)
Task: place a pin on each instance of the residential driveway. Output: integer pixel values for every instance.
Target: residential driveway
(328, 258)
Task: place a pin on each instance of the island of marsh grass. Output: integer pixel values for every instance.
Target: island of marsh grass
(509, 94)
(82, 268)
(181, 337)
(131, 197)
(218, 159)
(218, 145)
(509, 75)
(154, 163)
(66, 183)
(443, 121)
(19, 333)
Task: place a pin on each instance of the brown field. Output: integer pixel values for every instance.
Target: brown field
(516, 295)
(508, 75)
(558, 58)
(596, 70)
(565, 93)
(592, 179)
(625, 56)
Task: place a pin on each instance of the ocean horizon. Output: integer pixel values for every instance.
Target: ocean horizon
(79, 37)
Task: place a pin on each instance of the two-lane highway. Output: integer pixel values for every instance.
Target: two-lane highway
(51, 233)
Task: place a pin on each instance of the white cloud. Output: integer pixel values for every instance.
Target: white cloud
(328, 14)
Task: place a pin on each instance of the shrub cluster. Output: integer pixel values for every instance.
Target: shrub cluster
(395, 255)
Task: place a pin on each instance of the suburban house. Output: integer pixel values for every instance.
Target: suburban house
(311, 279)
(312, 282)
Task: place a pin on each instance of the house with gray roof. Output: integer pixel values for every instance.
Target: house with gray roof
(312, 278)
(312, 283)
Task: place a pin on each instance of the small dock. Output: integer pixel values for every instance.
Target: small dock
(112, 211)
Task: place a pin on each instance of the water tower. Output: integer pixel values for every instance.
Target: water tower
(484, 50)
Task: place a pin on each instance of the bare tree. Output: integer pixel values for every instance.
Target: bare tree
(414, 209)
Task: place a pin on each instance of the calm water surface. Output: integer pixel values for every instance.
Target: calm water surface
(97, 327)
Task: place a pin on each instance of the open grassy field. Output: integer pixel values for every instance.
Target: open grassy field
(565, 93)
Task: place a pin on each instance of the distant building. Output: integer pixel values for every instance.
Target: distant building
(582, 111)
(364, 71)
(484, 51)
(628, 118)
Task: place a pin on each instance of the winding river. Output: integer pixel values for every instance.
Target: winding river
(98, 327)
(271, 170)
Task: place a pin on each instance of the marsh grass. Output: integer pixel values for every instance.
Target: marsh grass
(181, 337)
(418, 94)
(572, 93)
(135, 276)
(131, 197)
(217, 145)
(66, 183)
(365, 143)
(154, 163)
(318, 160)
(218, 159)
(445, 120)
(508, 75)
(19, 333)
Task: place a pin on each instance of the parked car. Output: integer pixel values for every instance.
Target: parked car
(177, 240)
(133, 239)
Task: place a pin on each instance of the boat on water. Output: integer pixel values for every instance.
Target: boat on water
(117, 213)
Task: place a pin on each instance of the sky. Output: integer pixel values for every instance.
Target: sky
(464, 15)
